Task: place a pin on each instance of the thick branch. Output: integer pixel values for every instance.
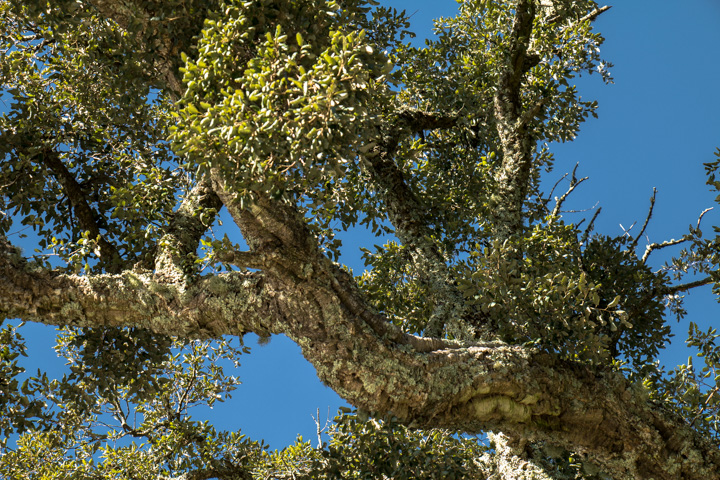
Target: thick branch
(365, 359)
(492, 386)
(224, 472)
(175, 256)
(87, 218)
(517, 145)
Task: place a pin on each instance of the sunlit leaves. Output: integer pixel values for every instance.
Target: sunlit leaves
(276, 102)
(126, 407)
(588, 302)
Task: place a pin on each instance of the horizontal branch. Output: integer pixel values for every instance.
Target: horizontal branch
(374, 366)
(684, 287)
(669, 243)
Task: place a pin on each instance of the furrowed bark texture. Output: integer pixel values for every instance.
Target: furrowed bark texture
(425, 382)
(517, 145)
(374, 366)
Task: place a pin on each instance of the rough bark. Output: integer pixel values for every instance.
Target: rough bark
(512, 119)
(374, 366)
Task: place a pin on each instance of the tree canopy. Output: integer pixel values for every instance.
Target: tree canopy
(133, 124)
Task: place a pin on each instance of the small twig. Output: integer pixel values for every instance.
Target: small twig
(574, 182)
(318, 430)
(552, 190)
(590, 226)
(627, 231)
(595, 13)
(582, 210)
(634, 243)
(590, 16)
(669, 243)
(702, 214)
(702, 409)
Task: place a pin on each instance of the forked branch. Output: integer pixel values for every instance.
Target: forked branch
(669, 243)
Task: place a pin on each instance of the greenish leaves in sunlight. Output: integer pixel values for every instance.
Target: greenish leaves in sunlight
(693, 390)
(285, 109)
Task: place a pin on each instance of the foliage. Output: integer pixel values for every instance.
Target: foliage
(379, 449)
(19, 410)
(131, 423)
(320, 106)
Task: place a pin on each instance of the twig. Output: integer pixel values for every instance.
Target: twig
(702, 409)
(595, 13)
(627, 232)
(634, 243)
(574, 182)
(581, 210)
(318, 430)
(669, 243)
(589, 228)
(702, 214)
(590, 16)
(552, 190)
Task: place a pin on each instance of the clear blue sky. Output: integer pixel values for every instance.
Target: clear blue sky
(656, 127)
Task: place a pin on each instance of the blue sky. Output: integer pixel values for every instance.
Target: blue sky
(657, 125)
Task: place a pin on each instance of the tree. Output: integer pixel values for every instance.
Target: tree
(134, 124)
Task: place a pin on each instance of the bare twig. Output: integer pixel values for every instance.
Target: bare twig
(574, 182)
(627, 231)
(589, 228)
(634, 243)
(702, 214)
(582, 210)
(552, 190)
(318, 430)
(668, 243)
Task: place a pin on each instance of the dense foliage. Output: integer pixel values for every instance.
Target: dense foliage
(118, 117)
